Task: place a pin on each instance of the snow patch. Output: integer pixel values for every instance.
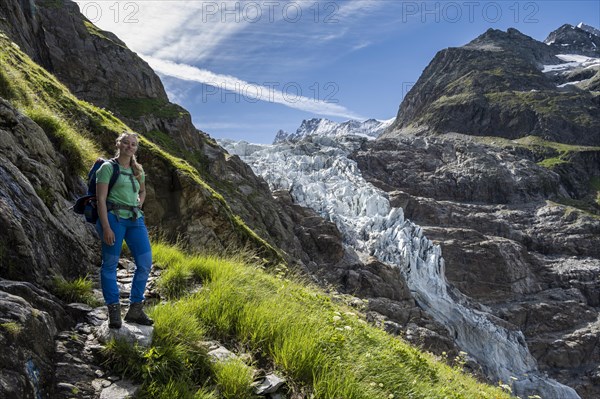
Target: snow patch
(572, 61)
(570, 83)
(589, 29)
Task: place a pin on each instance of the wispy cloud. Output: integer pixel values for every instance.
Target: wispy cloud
(352, 8)
(267, 92)
(194, 32)
(361, 45)
(173, 29)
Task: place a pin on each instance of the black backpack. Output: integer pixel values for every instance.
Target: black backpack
(87, 205)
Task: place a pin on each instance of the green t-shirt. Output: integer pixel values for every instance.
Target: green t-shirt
(124, 192)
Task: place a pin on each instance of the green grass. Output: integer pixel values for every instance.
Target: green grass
(554, 153)
(94, 30)
(550, 152)
(196, 158)
(76, 290)
(14, 329)
(452, 100)
(534, 141)
(548, 103)
(79, 150)
(138, 107)
(49, 104)
(234, 379)
(46, 195)
(165, 141)
(581, 206)
(321, 347)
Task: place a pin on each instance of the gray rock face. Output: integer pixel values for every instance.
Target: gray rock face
(517, 43)
(27, 329)
(40, 235)
(528, 260)
(435, 167)
(21, 23)
(270, 384)
(220, 354)
(569, 39)
(90, 61)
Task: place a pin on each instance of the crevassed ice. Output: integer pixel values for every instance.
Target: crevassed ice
(319, 175)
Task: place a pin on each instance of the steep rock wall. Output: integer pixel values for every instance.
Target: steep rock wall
(507, 243)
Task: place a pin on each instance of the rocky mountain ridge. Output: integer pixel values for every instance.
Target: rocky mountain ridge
(494, 86)
(581, 39)
(370, 128)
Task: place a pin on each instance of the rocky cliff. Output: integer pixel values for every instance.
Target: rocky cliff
(488, 156)
(500, 85)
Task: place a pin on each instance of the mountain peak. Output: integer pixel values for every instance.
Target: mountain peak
(515, 42)
(589, 29)
(324, 127)
(581, 39)
(487, 88)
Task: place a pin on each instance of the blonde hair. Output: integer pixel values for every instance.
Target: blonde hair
(135, 166)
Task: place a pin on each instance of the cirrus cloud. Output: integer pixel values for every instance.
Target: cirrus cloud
(268, 92)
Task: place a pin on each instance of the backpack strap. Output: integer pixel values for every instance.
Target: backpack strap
(115, 174)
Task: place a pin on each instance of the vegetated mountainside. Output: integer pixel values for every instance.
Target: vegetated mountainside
(499, 163)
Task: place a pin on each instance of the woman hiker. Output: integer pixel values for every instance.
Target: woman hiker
(120, 217)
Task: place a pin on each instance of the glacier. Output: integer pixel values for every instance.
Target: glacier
(318, 174)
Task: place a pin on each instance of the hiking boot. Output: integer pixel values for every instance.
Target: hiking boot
(114, 315)
(136, 315)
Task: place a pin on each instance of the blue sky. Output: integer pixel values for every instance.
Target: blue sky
(245, 69)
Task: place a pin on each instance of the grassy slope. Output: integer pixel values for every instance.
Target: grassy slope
(319, 344)
(551, 155)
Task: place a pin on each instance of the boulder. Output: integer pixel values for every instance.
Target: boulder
(133, 334)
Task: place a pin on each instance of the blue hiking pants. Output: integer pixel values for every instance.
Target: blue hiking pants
(135, 234)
